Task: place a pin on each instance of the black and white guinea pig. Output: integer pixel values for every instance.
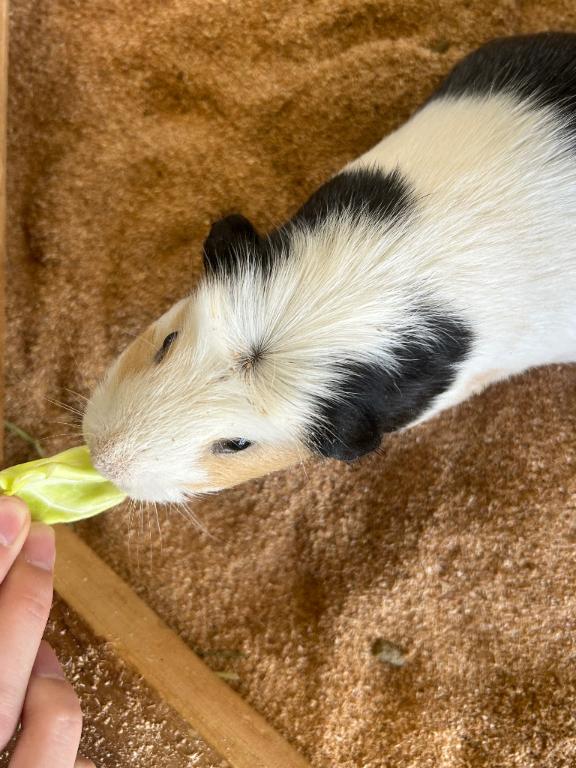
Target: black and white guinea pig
(438, 262)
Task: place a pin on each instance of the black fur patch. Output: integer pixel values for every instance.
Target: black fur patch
(383, 196)
(541, 66)
(371, 400)
(229, 240)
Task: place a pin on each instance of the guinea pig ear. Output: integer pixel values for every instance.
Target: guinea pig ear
(347, 431)
(227, 240)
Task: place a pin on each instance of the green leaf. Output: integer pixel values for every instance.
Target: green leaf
(62, 488)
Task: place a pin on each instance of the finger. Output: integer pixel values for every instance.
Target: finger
(51, 718)
(14, 525)
(25, 601)
(82, 762)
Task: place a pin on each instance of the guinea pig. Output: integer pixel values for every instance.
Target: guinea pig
(439, 261)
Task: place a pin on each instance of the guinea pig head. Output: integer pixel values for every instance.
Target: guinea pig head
(282, 351)
(193, 404)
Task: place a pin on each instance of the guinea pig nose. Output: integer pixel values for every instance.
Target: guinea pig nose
(104, 465)
(107, 461)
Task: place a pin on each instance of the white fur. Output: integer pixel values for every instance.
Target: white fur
(496, 236)
(491, 238)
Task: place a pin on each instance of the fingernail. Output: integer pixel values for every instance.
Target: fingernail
(40, 548)
(13, 515)
(46, 664)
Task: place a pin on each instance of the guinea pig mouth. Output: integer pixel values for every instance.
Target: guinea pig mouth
(142, 484)
(175, 495)
(153, 493)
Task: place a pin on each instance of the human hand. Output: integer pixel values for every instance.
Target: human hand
(33, 690)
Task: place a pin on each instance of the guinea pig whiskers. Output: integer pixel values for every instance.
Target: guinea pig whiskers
(75, 430)
(186, 512)
(142, 509)
(77, 394)
(65, 406)
(60, 434)
(132, 530)
(302, 462)
(149, 521)
(70, 424)
(180, 511)
(158, 527)
(140, 531)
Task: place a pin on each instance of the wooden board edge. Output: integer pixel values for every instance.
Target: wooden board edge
(115, 613)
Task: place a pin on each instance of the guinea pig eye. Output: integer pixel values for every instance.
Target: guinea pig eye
(166, 344)
(231, 446)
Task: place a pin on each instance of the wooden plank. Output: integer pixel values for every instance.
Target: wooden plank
(3, 121)
(114, 612)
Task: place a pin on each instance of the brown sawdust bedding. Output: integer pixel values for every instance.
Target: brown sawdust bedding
(132, 126)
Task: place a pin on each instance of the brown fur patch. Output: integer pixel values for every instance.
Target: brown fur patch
(139, 355)
(225, 471)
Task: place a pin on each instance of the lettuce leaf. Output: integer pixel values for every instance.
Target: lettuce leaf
(62, 488)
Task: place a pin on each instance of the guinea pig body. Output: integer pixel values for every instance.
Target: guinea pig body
(438, 262)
